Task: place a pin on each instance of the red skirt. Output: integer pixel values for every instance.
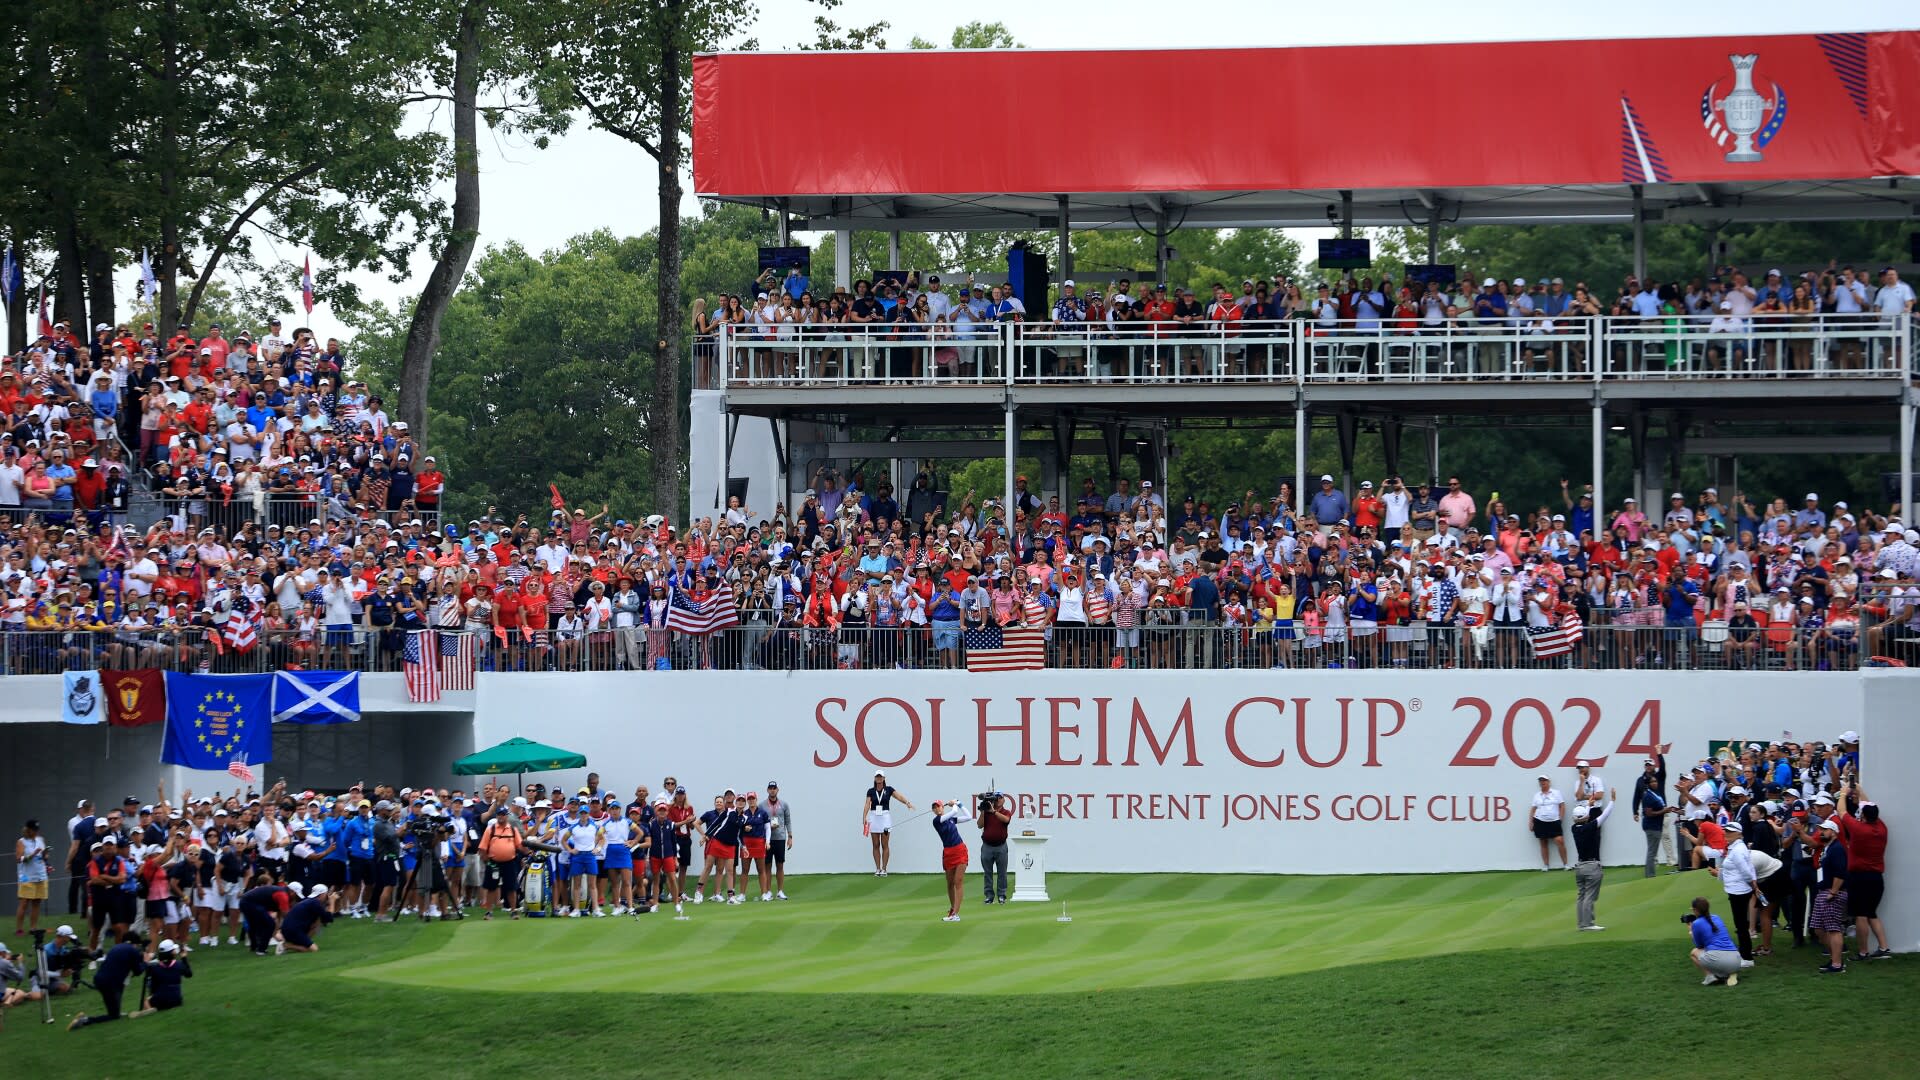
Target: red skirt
(953, 856)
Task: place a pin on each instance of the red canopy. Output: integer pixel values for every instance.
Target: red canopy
(1824, 106)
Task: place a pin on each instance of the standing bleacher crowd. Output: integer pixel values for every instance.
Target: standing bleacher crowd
(298, 525)
(1835, 319)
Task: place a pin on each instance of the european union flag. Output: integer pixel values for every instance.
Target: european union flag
(215, 720)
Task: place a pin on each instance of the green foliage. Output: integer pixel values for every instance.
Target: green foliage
(974, 35)
(541, 371)
(545, 362)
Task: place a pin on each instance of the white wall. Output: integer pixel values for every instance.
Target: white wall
(1309, 772)
(1300, 754)
(1891, 727)
(755, 457)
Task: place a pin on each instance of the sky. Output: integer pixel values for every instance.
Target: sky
(589, 180)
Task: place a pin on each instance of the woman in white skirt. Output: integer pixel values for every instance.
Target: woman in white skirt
(876, 819)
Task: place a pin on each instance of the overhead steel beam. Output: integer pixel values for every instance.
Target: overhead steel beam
(1731, 446)
(959, 448)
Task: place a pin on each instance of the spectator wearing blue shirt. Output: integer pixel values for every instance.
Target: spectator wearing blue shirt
(1713, 949)
(62, 474)
(1810, 516)
(1203, 598)
(1329, 504)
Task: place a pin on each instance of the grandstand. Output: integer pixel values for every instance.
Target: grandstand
(302, 531)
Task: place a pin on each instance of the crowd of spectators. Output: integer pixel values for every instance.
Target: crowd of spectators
(781, 315)
(858, 576)
(212, 430)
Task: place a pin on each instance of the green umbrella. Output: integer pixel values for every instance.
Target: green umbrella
(518, 756)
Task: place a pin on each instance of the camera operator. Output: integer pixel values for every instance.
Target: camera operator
(995, 812)
(1713, 949)
(121, 963)
(432, 831)
(14, 989)
(61, 961)
(386, 861)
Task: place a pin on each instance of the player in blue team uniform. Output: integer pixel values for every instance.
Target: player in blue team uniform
(619, 836)
(585, 842)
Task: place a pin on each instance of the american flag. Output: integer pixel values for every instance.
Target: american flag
(421, 667)
(1557, 640)
(717, 612)
(242, 630)
(1013, 649)
(240, 770)
(457, 660)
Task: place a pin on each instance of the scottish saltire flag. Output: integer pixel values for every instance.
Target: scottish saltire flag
(316, 697)
(215, 720)
(81, 701)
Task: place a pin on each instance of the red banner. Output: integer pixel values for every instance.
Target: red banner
(135, 697)
(1679, 110)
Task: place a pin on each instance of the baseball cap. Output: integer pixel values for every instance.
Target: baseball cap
(1849, 736)
(63, 930)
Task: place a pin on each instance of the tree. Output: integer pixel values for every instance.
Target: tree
(204, 124)
(542, 367)
(482, 46)
(630, 68)
(975, 35)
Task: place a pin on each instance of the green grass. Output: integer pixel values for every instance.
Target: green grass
(1478, 975)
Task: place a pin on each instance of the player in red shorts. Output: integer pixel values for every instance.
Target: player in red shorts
(953, 856)
(755, 823)
(721, 828)
(665, 863)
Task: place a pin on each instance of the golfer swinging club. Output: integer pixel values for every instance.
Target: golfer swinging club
(953, 856)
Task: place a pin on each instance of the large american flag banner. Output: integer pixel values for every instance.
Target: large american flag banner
(716, 612)
(1551, 641)
(1016, 648)
(458, 660)
(420, 661)
(242, 630)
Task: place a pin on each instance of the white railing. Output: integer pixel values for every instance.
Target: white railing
(1759, 346)
(873, 354)
(1594, 349)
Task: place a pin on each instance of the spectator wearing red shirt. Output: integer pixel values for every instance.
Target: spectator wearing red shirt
(1367, 507)
(216, 346)
(1865, 837)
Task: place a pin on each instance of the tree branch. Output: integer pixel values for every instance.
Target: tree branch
(630, 134)
(205, 276)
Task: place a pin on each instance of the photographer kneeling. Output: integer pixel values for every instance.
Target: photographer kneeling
(1713, 949)
(995, 812)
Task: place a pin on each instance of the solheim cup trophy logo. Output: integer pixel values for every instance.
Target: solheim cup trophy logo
(1751, 120)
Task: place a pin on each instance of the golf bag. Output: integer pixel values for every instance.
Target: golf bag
(534, 898)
